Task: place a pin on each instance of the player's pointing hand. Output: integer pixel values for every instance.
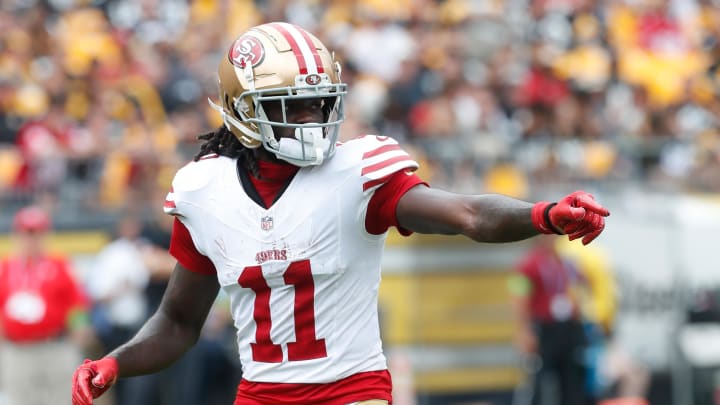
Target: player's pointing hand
(577, 215)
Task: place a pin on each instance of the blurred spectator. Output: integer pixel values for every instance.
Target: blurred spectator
(42, 146)
(116, 285)
(7, 131)
(550, 329)
(43, 316)
(613, 370)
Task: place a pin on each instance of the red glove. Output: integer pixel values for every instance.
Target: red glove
(92, 379)
(577, 215)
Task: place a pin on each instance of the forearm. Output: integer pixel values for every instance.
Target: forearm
(173, 329)
(159, 343)
(491, 218)
(497, 219)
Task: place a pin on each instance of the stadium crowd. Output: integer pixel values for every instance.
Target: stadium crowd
(103, 100)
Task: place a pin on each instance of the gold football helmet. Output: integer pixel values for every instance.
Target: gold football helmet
(281, 62)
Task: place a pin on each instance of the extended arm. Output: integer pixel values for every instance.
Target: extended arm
(483, 218)
(496, 218)
(165, 337)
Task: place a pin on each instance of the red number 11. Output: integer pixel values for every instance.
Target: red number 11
(307, 346)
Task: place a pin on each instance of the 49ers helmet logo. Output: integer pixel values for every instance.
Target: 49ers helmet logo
(313, 79)
(246, 49)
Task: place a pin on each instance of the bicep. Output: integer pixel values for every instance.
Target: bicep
(189, 297)
(428, 210)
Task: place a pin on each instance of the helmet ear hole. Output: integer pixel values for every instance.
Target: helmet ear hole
(232, 107)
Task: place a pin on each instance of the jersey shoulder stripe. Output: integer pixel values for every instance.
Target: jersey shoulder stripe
(373, 169)
(382, 157)
(380, 150)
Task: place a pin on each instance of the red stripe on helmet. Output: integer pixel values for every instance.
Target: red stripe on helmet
(311, 45)
(294, 46)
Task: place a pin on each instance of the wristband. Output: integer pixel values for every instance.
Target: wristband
(540, 216)
(546, 216)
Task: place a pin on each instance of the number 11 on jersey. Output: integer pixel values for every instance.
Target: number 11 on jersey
(306, 346)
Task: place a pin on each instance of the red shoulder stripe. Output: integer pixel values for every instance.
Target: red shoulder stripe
(384, 164)
(373, 183)
(382, 149)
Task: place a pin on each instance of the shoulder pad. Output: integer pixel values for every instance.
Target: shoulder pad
(197, 174)
(194, 176)
(380, 157)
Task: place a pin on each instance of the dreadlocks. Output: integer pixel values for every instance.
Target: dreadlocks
(224, 143)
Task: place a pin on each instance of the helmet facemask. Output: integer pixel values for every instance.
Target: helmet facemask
(282, 64)
(312, 142)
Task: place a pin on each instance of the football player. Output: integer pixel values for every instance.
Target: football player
(291, 224)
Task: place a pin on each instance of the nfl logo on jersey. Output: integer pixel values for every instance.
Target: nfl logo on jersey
(266, 223)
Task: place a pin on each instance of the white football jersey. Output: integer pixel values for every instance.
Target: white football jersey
(302, 275)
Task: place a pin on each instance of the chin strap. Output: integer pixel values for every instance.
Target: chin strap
(307, 149)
